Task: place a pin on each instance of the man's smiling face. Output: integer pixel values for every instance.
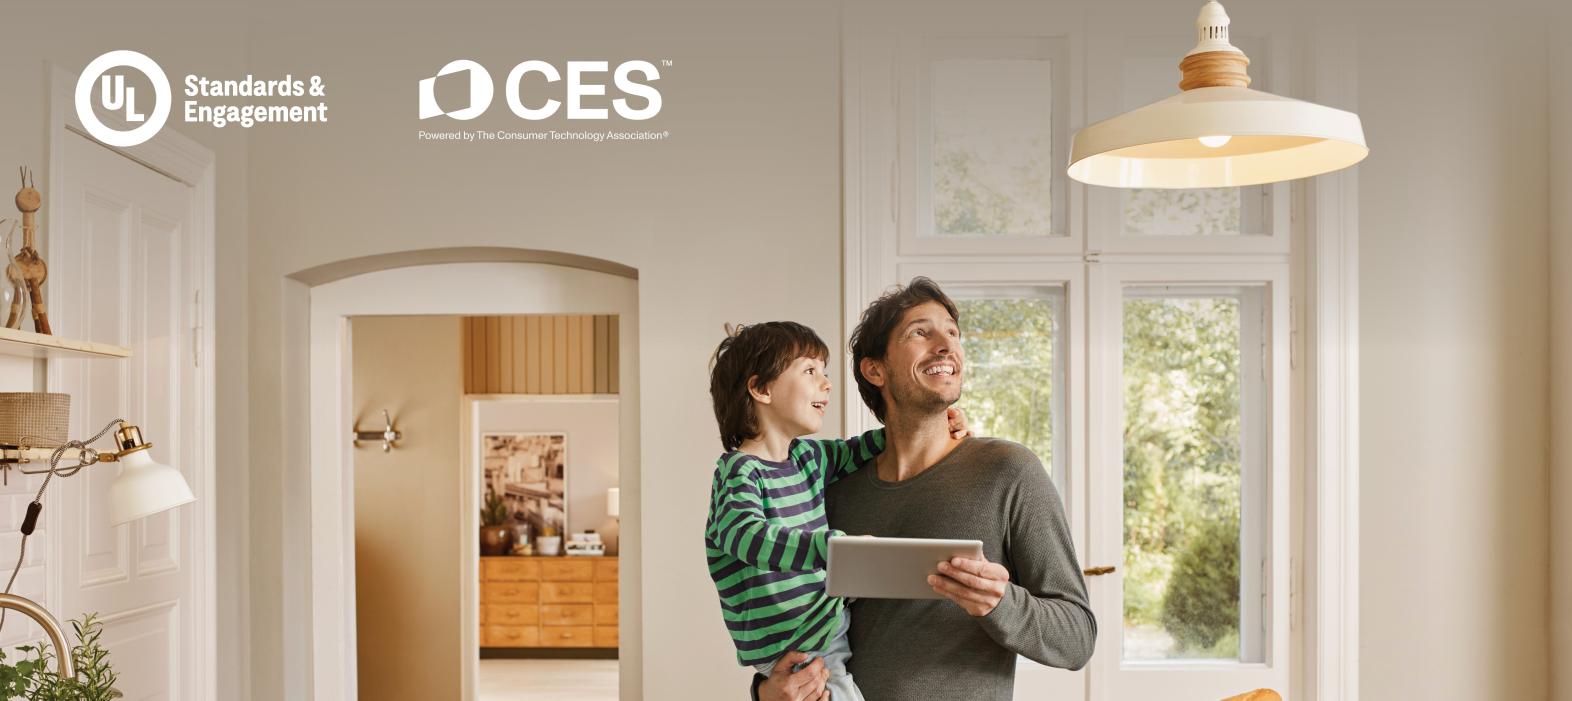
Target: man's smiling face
(924, 364)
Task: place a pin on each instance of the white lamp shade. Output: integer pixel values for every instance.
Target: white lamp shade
(1273, 139)
(614, 502)
(144, 488)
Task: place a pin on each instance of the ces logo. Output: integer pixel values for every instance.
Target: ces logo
(631, 78)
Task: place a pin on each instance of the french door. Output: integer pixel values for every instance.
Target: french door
(1187, 424)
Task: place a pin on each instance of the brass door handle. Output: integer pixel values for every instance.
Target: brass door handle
(1098, 571)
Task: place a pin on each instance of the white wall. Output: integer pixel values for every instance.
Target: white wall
(735, 218)
(591, 427)
(1560, 82)
(184, 36)
(1454, 285)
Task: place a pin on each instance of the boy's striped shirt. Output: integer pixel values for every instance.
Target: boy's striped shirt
(767, 541)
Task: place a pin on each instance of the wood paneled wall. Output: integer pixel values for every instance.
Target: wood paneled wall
(540, 354)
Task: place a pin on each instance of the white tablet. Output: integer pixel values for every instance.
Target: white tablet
(866, 567)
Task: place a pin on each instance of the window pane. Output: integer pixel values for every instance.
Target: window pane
(1209, 212)
(992, 151)
(1009, 370)
(1182, 462)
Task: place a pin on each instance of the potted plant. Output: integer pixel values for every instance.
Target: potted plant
(33, 678)
(496, 537)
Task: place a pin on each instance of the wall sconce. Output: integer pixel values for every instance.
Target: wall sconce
(614, 502)
(142, 488)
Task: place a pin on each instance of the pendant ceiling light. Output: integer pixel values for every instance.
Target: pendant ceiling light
(1216, 132)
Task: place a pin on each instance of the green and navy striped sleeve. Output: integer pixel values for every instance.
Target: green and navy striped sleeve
(738, 525)
(843, 457)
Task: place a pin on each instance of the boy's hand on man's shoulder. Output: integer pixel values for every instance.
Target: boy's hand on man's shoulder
(958, 428)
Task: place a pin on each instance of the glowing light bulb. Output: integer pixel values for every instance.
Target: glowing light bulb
(1214, 141)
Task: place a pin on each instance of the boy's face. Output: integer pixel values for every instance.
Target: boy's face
(796, 400)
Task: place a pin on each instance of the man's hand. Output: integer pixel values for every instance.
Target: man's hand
(958, 429)
(806, 685)
(975, 585)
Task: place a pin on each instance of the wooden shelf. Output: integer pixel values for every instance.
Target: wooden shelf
(37, 345)
(41, 455)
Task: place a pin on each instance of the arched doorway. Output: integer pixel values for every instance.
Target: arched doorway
(319, 512)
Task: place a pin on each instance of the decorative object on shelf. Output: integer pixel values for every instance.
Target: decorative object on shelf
(548, 543)
(1216, 132)
(529, 471)
(27, 269)
(585, 544)
(496, 536)
(10, 293)
(143, 488)
(614, 502)
(521, 535)
(389, 436)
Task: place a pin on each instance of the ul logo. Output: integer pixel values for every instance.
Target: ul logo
(120, 101)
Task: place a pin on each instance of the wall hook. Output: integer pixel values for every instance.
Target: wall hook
(387, 435)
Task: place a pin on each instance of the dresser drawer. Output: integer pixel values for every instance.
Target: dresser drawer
(509, 593)
(605, 592)
(567, 593)
(606, 570)
(566, 570)
(605, 614)
(511, 614)
(567, 614)
(508, 569)
(605, 636)
(510, 636)
(568, 636)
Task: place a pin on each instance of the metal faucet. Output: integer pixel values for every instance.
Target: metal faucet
(51, 626)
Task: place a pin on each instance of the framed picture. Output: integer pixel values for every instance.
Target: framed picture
(529, 471)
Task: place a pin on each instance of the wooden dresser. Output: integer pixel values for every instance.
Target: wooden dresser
(548, 602)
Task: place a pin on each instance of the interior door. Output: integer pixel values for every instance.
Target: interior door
(125, 270)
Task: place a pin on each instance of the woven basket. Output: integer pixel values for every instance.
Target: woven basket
(42, 417)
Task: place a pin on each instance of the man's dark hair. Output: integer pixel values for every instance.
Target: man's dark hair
(756, 353)
(871, 338)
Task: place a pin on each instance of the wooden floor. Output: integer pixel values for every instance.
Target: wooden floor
(547, 680)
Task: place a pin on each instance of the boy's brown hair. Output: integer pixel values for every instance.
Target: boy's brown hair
(752, 356)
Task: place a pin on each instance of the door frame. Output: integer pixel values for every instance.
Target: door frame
(320, 519)
(178, 157)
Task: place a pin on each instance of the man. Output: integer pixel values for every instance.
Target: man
(1026, 597)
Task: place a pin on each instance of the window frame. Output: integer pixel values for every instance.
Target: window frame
(1322, 254)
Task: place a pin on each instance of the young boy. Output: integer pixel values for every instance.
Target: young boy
(767, 539)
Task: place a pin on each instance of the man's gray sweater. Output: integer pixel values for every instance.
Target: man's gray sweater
(986, 489)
